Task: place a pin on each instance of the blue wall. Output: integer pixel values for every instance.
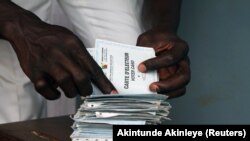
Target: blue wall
(218, 33)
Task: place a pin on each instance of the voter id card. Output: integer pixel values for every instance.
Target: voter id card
(119, 63)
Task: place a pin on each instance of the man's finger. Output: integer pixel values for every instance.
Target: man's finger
(45, 88)
(176, 81)
(165, 58)
(77, 71)
(81, 79)
(95, 72)
(64, 81)
(101, 81)
(83, 83)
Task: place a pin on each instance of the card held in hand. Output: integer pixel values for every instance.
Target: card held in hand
(119, 63)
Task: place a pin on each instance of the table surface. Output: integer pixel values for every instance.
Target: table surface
(48, 129)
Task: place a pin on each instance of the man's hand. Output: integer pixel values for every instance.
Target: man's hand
(51, 56)
(171, 62)
(161, 17)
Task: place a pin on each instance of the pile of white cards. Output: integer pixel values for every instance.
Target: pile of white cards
(98, 113)
(134, 105)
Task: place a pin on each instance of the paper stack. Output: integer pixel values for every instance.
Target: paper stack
(134, 105)
(98, 113)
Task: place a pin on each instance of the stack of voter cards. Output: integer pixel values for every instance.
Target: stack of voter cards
(134, 105)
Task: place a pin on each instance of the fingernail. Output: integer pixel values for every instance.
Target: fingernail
(114, 92)
(142, 68)
(154, 88)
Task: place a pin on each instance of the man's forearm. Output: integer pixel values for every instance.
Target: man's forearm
(12, 17)
(162, 14)
(8, 14)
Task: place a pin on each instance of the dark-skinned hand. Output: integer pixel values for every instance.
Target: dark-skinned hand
(53, 57)
(171, 62)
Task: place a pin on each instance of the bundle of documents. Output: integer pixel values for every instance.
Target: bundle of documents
(134, 105)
